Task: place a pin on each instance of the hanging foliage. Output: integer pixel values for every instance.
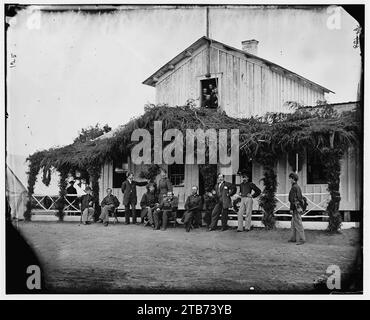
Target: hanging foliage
(94, 174)
(263, 139)
(332, 168)
(150, 173)
(46, 176)
(209, 174)
(34, 168)
(267, 199)
(63, 175)
(292, 160)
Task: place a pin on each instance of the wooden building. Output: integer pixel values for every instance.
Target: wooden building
(247, 86)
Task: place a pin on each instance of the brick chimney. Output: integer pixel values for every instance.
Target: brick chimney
(250, 46)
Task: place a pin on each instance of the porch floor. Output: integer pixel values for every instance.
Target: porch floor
(137, 259)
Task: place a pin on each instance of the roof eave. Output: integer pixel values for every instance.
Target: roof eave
(150, 81)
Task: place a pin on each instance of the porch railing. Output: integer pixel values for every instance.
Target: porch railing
(284, 205)
(44, 204)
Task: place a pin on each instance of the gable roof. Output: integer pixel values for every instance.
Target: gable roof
(205, 40)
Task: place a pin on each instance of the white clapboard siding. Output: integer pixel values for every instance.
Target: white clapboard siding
(247, 86)
(349, 186)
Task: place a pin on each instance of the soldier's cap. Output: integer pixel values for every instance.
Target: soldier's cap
(244, 173)
(151, 184)
(294, 176)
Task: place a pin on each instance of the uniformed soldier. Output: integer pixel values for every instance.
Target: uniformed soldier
(130, 196)
(296, 202)
(248, 191)
(167, 207)
(210, 201)
(224, 191)
(108, 205)
(148, 203)
(87, 206)
(193, 207)
(164, 184)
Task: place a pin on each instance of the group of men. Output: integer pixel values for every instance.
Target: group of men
(210, 97)
(159, 205)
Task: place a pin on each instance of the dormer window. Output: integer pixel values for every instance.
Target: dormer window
(209, 93)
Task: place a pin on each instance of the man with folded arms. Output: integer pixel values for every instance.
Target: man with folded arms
(246, 203)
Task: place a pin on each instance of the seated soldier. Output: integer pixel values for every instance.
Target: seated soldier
(108, 205)
(206, 102)
(87, 206)
(148, 203)
(167, 208)
(193, 207)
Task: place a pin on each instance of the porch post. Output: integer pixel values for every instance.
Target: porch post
(296, 163)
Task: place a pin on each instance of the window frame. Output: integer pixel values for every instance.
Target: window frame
(170, 174)
(218, 77)
(309, 179)
(125, 169)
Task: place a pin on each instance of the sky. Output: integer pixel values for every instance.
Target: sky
(69, 70)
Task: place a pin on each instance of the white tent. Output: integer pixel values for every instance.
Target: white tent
(16, 193)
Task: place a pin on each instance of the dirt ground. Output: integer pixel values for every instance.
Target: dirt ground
(137, 259)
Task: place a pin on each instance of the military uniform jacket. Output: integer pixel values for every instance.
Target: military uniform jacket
(295, 197)
(224, 192)
(129, 191)
(169, 203)
(108, 200)
(193, 202)
(148, 200)
(85, 200)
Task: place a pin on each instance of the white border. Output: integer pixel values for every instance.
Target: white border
(183, 297)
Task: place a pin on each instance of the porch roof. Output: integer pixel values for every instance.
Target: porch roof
(258, 137)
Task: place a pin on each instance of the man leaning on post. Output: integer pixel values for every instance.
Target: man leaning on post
(130, 196)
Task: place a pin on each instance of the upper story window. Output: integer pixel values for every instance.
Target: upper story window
(209, 93)
(315, 170)
(176, 174)
(120, 169)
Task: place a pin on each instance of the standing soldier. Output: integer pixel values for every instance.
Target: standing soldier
(193, 207)
(164, 184)
(296, 204)
(108, 205)
(224, 192)
(214, 98)
(130, 196)
(246, 203)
